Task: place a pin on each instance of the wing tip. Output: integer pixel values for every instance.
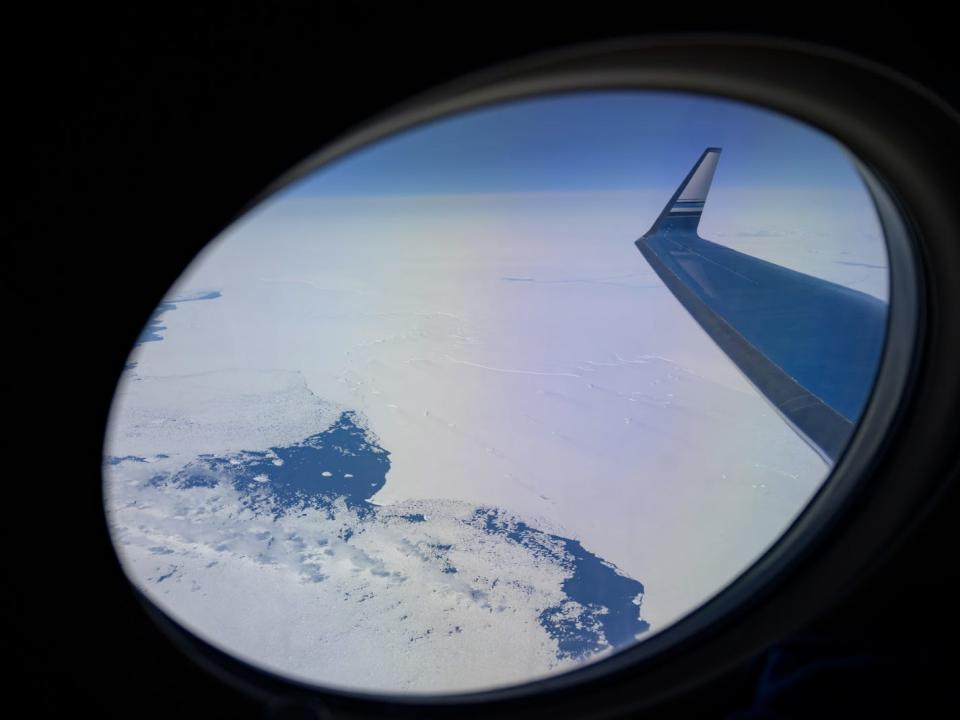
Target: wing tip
(686, 204)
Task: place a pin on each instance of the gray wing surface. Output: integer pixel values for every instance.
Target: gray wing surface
(812, 347)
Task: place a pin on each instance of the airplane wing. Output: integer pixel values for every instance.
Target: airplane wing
(812, 347)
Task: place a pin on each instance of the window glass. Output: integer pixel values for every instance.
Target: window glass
(429, 419)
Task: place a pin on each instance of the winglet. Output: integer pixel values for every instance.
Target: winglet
(684, 209)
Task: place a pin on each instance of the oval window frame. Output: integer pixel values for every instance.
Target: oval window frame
(849, 522)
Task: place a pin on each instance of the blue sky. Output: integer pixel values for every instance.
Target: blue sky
(588, 141)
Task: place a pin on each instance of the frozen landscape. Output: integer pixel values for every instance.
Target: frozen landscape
(448, 442)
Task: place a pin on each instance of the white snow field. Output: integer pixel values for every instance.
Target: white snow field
(509, 352)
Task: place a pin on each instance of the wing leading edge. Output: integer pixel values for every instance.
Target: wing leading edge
(812, 347)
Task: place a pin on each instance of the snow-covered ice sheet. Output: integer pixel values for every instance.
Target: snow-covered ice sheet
(449, 443)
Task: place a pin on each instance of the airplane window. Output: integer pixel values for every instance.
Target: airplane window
(501, 395)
